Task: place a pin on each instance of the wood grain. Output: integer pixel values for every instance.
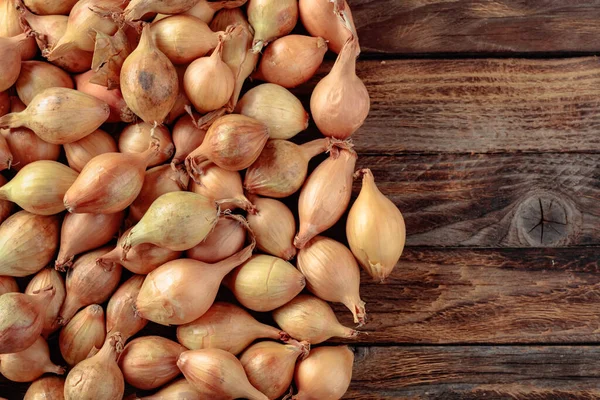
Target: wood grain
(477, 26)
(480, 106)
(493, 200)
(477, 372)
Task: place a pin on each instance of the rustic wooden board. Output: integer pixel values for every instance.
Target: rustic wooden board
(476, 372)
(477, 26)
(494, 200)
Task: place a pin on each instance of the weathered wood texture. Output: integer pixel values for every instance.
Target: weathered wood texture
(477, 26)
(474, 373)
(489, 105)
(459, 296)
(494, 200)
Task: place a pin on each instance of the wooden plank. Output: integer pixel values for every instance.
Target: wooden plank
(477, 26)
(493, 200)
(478, 372)
(461, 296)
(478, 105)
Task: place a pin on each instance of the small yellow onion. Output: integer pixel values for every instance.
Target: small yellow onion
(137, 9)
(28, 243)
(219, 185)
(118, 108)
(187, 137)
(22, 319)
(84, 332)
(277, 108)
(205, 10)
(80, 152)
(209, 82)
(271, 20)
(227, 327)
(149, 81)
(10, 25)
(226, 239)
(50, 7)
(88, 283)
(121, 315)
(310, 318)
(8, 284)
(178, 390)
(29, 364)
(217, 374)
(84, 232)
(6, 206)
(375, 230)
(184, 38)
(110, 52)
(332, 274)
(150, 361)
(264, 283)
(270, 366)
(36, 76)
(181, 291)
(325, 195)
(98, 377)
(233, 142)
(45, 278)
(281, 168)
(158, 181)
(319, 19)
(325, 374)
(11, 49)
(136, 138)
(6, 157)
(60, 115)
(291, 60)
(46, 388)
(181, 102)
(274, 227)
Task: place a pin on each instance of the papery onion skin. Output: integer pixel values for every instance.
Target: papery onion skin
(319, 20)
(375, 229)
(28, 243)
(136, 9)
(29, 364)
(46, 388)
(216, 373)
(50, 7)
(110, 52)
(79, 153)
(270, 20)
(45, 278)
(274, 227)
(179, 390)
(84, 332)
(36, 76)
(136, 138)
(291, 60)
(226, 239)
(121, 315)
(187, 137)
(8, 284)
(119, 112)
(227, 327)
(325, 374)
(220, 184)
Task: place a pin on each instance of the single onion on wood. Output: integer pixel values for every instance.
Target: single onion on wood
(325, 374)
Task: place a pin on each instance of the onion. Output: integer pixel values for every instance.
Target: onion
(98, 377)
(29, 364)
(4, 103)
(176, 221)
(184, 38)
(227, 327)
(141, 259)
(60, 115)
(281, 168)
(28, 243)
(319, 19)
(233, 142)
(274, 227)
(186, 137)
(121, 315)
(10, 53)
(79, 153)
(325, 195)
(216, 374)
(270, 365)
(149, 81)
(310, 318)
(270, 20)
(150, 361)
(158, 181)
(136, 138)
(205, 9)
(6, 157)
(36, 76)
(219, 185)
(209, 82)
(108, 183)
(332, 274)
(237, 49)
(178, 390)
(8, 284)
(10, 25)
(39, 187)
(84, 332)
(110, 52)
(181, 291)
(88, 283)
(6, 206)
(46, 388)
(50, 7)
(264, 283)
(45, 278)
(325, 374)
(226, 239)
(291, 60)
(182, 102)
(22, 319)
(139, 8)
(375, 229)
(85, 232)
(118, 108)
